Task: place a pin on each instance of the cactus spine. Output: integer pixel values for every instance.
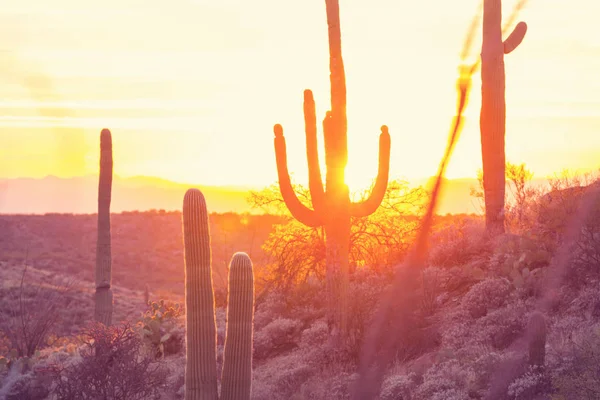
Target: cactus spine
(104, 296)
(201, 359)
(332, 207)
(493, 110)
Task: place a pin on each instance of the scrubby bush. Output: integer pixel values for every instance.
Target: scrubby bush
(277, 337)
(575, 365)
(398, 387)
(33, 384)
(486, 296)
(447, 380)
(111, 366)
(533, 384)
(31, 311)
(458, 243)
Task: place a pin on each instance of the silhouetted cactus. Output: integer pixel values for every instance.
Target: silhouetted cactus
(104, 296)
(332, 207)
(493, 110)
(537, 340)
(201, 363)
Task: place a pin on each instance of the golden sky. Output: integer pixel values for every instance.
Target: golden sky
(192, 88)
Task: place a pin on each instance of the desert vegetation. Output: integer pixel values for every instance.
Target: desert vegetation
(327, 294)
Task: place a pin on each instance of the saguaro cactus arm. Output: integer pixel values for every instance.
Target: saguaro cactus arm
(315, 181)
(369, 206)
(515, 38)
(299, 211)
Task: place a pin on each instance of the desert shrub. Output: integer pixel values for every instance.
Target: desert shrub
(273, 305)
(334, 384)
(447, 380)
(281, 377)
(175, 385)
(533, 384)
(436, 283)
(33, 385)
(398, 387)
(363, 296)
(497, 329)
(279, 336)
(31, 311)
(486, 296)
(161, 328)
(111, 366)
(458, 244)
(587, 302)
(501, 327)
(575, 362)
(518, 252)
(485, 364)
(520, 259)
(314, 342)
(555, 212)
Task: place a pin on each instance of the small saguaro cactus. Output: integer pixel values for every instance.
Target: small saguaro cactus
(332, 207)
(493, 110)
(537, 340)
(104, 296)
(201, 359)
(236, 380)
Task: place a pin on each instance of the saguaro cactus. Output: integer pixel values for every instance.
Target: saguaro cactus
(104, 296)
(537, 340)
(201, 362)
(236, 382)
(332, 207)
(493, 110)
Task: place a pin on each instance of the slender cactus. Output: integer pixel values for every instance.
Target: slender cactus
(201, 359)
(493, 110)
(332, 207)
(537, 340)
(201, 336)
(236, 382)
(104, 296)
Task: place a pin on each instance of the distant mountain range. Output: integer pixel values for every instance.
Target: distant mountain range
(79, 195)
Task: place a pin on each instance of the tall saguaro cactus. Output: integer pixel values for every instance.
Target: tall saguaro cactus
(201, 359)
(493, 110)
(104, 296)
(332, 207)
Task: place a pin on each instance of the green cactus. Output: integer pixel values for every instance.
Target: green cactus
(332, 207)
(104, 296)
(493, 110)
(201, 360)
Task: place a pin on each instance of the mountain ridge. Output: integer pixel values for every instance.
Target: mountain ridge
(78, 195)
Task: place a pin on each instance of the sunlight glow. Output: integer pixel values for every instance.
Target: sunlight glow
(196, 99)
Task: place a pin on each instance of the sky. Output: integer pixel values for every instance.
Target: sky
(192, 88)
